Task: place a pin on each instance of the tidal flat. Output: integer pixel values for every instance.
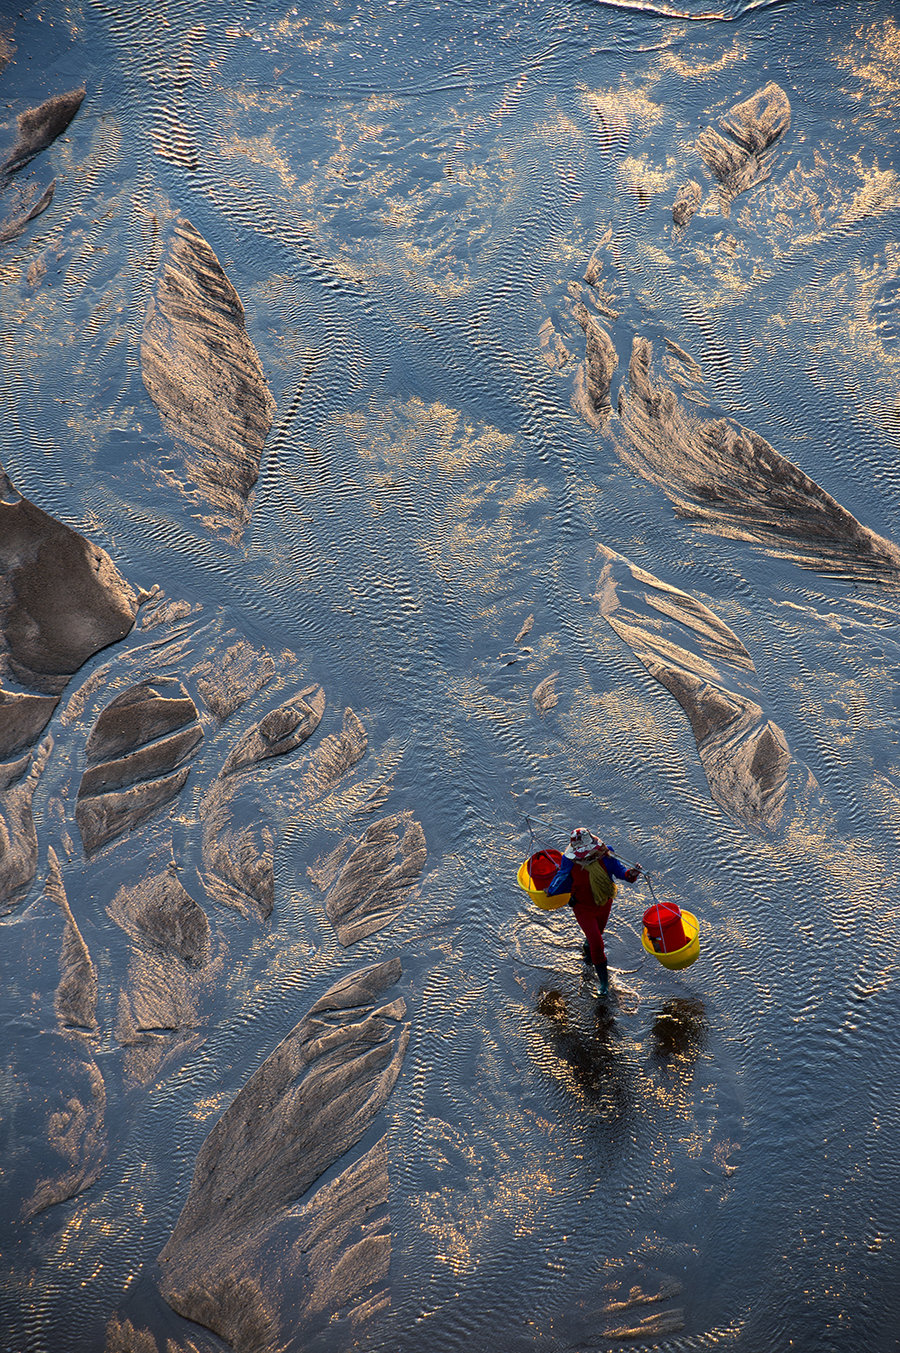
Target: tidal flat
(428, 429)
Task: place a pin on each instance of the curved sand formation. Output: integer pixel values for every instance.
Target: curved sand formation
(61, 598)
(280, 731)
(741, 159)
(204, 375)
(130, 752)
(311, 1101)
(368, 887)
(733, 482)
(705, 666)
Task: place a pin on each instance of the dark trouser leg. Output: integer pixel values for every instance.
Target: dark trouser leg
(592, 920)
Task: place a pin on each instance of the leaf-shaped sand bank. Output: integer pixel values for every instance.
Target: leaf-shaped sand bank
(735, 483)
(204, 375)
(710, 673)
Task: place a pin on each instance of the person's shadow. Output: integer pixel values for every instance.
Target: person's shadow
(590, 1057)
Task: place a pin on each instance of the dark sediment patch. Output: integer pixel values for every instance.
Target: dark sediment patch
(18, 835)
(22, 720)
(591, 397)
(334, 756)
(170, 968)
(204, 375)
(238, 856)
(280, 731)
(73, 1113)
(310, 1102)
(226, 680)
(130, 753)
(61, 598)
(741, 159)
(687, 200)
(369, 887)
(734, 483)
(39, 127)
(704, 665)
(76, 995)
(33, 207)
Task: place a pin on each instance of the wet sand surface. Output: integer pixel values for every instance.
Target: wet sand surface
(427, 429)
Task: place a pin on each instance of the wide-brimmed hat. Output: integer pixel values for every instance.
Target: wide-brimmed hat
(584, 843)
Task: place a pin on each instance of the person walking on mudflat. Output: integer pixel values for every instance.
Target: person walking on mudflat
(588, 870)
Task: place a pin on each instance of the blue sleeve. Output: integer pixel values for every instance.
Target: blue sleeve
(562, 879)
(615, 868)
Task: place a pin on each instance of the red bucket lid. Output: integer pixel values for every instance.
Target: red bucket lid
(543, 866)
(661, 914)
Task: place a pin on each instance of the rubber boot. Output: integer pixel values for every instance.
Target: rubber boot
(586, 952)
(602, 978)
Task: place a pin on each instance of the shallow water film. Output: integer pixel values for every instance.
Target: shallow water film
(428, 428)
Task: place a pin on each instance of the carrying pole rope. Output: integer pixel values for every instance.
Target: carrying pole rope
(662, 933)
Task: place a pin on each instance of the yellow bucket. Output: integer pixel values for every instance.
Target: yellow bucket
(541, 899)
(686, 955)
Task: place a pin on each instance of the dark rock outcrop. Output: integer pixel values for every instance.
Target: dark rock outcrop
(160, 914)
(22, 720)
(742, 158)
(227, 679)
(18, 837)
(130, 753)
(700, 661)
(280, 731)
(39, 127)
(733, 482)
(309, 1103)
(61, 598)
(238, 852)
(204, 375)
(369, 886)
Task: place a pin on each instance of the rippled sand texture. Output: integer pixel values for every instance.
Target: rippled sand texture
(424, 430)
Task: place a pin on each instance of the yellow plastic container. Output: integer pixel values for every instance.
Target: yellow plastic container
(541, 899)
(687, 954)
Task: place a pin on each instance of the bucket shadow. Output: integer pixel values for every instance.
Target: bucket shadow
(680, 1032)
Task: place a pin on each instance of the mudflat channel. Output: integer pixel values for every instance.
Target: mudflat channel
(428, 429)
